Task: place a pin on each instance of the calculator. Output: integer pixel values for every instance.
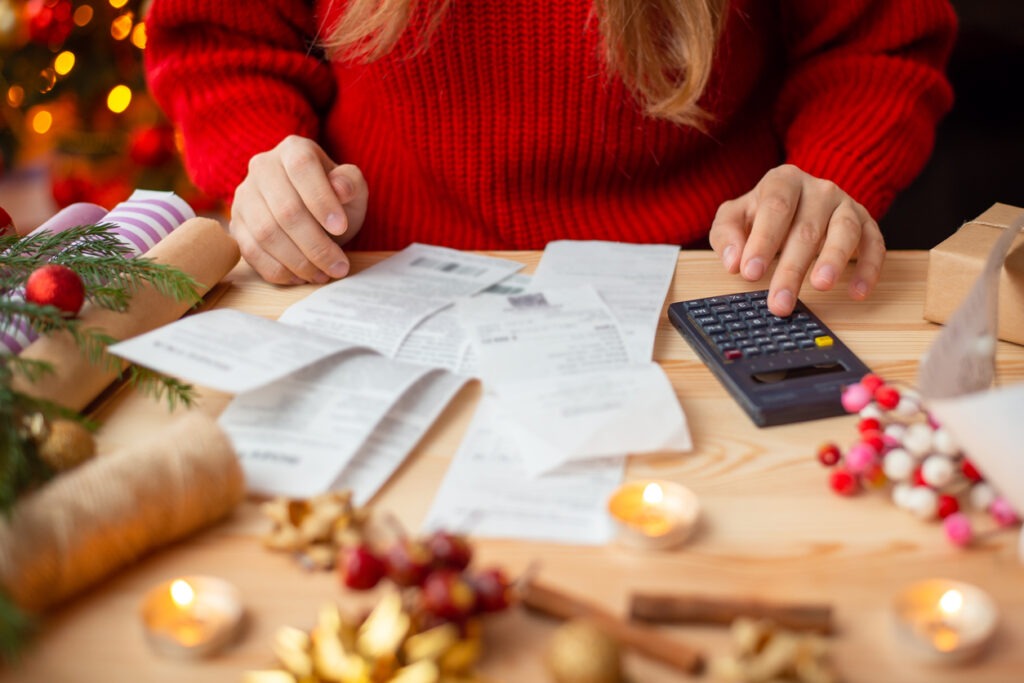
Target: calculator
(780, 370)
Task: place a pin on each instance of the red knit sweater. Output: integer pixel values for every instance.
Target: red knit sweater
(507, 132)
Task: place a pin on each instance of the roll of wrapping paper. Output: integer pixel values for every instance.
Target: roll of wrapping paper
(200, 248)
(89, 521)
(140, 223)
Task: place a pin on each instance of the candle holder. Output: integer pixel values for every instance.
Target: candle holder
(653, 515)
(945, 621)
(192, 616)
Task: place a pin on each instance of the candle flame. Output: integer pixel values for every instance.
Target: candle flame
(653, 494)
(951, 602)
(182, 593)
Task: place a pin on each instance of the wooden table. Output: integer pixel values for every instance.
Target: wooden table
(772, 528)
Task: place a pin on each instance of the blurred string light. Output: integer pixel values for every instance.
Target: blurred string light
(42, 120)
(139, 35)
(118, 4)
(64, 63)
(119, 98)
(82, 16)
(121, 27)
(15, 95)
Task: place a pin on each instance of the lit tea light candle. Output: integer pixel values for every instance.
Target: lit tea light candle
(653, 515)
(191, 617)
(945, 621)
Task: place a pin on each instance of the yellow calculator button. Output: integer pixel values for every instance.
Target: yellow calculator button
(823, 340)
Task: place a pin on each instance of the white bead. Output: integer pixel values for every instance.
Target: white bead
(896, 430)
(901, 495)
(907, 407)
(937, 471)
(898, 465)
(942, 442)
(982, 495)
(872, 410)
(918, 439)
(923, 502)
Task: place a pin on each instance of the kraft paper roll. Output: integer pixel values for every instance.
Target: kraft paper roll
(200, 247)
(94, 519)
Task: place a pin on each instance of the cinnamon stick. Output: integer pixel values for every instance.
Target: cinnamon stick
(700, 609)
(642, 639)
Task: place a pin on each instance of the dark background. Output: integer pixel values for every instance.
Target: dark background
(979, 149)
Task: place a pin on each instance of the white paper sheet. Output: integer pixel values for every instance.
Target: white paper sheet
(441, 342)
(379, 306)
(540, 334)
(228, 350)
(629, 410)
(633, 280)
(397, 434)
(487, 493)
(295, 436)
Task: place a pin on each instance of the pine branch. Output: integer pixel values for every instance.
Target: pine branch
(16, 628)
(151, 383)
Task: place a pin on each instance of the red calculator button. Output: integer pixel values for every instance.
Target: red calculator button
(733, 354)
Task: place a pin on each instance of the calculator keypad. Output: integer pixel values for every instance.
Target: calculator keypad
(741, 326)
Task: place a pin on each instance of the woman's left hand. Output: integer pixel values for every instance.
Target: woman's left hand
(805, 221)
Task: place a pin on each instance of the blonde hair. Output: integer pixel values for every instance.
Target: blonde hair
(662, 49)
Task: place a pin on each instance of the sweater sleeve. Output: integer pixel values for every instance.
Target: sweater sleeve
(864, 91)
(236, 78)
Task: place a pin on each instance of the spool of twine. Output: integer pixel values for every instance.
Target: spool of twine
(92, 520)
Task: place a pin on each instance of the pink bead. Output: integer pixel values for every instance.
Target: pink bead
(860, 457)
(1002, 512)
(958, 529)
(855, 397)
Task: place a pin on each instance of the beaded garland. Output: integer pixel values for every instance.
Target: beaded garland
(900, 444)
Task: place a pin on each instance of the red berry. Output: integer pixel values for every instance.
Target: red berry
(918, 477)
(829, 454)
(869, 424)
(447, 594)
(56, 285)
(887, 397)
(843, 482)
(360, 567)
(450, 550)
(408, 562)
(871, 382)
(947, 506)
(970, 471)
(492, 589)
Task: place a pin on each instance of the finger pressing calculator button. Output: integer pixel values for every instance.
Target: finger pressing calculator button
(823, 340)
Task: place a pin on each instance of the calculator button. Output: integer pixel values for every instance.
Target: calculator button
(733, 354)
(700, 310)
(736, 326)
(728, 317)
(762, 341)
(714, 329)
(706, 320)
(757, 322)
(739, 299)
(823, 340)
(721, 308)
(805, 343)
(787, 346)
(752, 351)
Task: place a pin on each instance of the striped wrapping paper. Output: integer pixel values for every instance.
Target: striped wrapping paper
(139, 222)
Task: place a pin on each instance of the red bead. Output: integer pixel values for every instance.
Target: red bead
(829, 454)
(869, 424)
(842, 482)
(887, 397)
(947, 506)
(874, 439)
(918, 477)
(871, 382)
(970, 471)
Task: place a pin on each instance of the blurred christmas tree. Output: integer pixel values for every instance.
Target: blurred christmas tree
(71, 74)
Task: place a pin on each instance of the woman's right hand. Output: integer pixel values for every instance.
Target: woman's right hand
(294, 211)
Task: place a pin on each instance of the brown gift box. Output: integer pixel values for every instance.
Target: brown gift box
(955, 264)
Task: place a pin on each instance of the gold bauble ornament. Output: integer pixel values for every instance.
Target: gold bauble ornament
(66, 444)
(580, 652)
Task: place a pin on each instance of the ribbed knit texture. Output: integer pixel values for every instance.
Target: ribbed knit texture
(508, 132)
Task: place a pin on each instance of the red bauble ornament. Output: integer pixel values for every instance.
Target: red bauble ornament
(6, 223)
(56, 285)
(49, 21)
(152, 146)
(828, 454)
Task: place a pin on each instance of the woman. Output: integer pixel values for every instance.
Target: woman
(765, 128)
